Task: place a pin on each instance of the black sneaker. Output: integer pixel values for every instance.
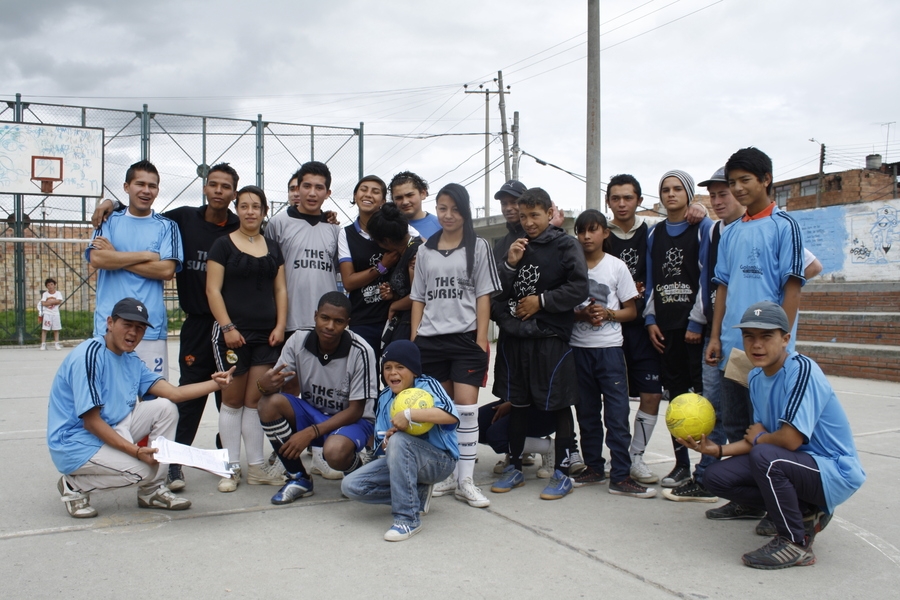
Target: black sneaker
(781, 553)
(690, 492)
(734, 511)
(589, 476)
(630, 487)
(678, 476)
(814, 521)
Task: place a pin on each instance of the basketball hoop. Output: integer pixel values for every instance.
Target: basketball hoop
(48, 170)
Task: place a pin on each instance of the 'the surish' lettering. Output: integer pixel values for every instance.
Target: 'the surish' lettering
(197, 264)
(315, 259)
(444, 288)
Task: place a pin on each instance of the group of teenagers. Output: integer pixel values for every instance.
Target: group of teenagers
(622, 309)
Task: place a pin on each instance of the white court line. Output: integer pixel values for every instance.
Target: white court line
(865, 394)
(23, 431)
(876, 432)
(886, 548)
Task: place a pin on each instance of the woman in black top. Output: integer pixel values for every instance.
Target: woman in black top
(247, 294)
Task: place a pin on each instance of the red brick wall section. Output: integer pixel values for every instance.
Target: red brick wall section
(867, 367)
(851, 301)
(873, 331)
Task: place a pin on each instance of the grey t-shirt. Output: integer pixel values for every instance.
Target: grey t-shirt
(331, 382)
(442, 283)
(310, 262)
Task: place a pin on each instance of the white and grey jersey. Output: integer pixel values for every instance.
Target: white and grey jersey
(310, 264)
(442, 283)
(331, 381)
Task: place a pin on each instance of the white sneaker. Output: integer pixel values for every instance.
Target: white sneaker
(231, 483)
(43, 346)
(548, 460)
(467, 491)
(528, 460)
(501, 464)
(263, 474)
(57, 346)
(640, 472)
(320, 466)
(445, 487)
(576, 465)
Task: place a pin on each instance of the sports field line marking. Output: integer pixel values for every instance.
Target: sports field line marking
(590, 556)
(895, 430)
(23, 431)
(157, 517)
(888, 549)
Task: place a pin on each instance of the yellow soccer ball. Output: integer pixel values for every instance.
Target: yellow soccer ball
(690, 415)
(413, 398)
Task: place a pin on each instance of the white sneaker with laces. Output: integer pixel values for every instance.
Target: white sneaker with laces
(576, 465)
(468, 492)
(321, 467)
(548, 460)
(231, 483)
(163, 498)
(640, 472)
(43, 346)
(57, 346)
(263, 474)
(445, 487)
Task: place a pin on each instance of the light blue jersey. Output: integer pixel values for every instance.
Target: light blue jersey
(442, 437)
(799, 395)
(755, 260)
(90, 376)
(427, 226)
(128, 233)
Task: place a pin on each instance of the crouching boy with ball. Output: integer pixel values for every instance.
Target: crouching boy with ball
(412, 464)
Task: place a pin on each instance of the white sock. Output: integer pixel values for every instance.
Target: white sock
(467, 438)
(643, 429)
(253, 435)
(537, 445)
(230, 431)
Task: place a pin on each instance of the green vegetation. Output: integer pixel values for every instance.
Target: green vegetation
(76, 325)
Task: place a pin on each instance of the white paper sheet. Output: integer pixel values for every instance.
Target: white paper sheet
(214, 461)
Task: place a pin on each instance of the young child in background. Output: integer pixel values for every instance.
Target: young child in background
(49, 312)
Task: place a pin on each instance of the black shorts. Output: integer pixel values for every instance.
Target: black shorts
(454, 357)
(541, 373)
(642, 360)
(501, 370)
(195, 352)
(256, 351)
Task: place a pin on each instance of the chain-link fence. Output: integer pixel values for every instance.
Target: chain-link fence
(182, 147)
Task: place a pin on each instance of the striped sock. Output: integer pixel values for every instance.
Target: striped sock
(643, 429)
(279, 432)
(467, 438)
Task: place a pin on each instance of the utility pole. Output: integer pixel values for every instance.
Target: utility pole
(503, 132)
(487, 144)
(821, 173)
(887, 138)
(515, 146)
(592, 170)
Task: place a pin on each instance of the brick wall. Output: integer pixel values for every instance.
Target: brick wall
(850, 328)
(854, 301)
(883, 367)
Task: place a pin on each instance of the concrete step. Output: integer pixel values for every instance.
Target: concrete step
(880, 328)
(869, 361)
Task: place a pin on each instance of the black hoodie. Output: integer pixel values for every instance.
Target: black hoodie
(552, 268)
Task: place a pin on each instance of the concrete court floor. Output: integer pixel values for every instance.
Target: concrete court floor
(588, 545)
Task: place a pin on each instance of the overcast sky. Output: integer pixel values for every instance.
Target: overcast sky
(684, 82)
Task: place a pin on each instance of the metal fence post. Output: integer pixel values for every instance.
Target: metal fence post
(260, 151)
(359, 132)
(19, 201)
(312, 142)
(145, 134)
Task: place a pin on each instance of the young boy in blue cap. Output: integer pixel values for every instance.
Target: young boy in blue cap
(798, 459)
(412, 464)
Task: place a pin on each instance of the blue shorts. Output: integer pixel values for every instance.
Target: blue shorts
(305, 414)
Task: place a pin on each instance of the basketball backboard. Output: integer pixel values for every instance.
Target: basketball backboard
(52, 160)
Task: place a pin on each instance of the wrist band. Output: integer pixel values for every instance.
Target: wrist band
(406, 413)
(137, 451)
(260, 388)
(381, 268)
(756, 439)
(316, 430)
(720, 451)
(229, 327)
